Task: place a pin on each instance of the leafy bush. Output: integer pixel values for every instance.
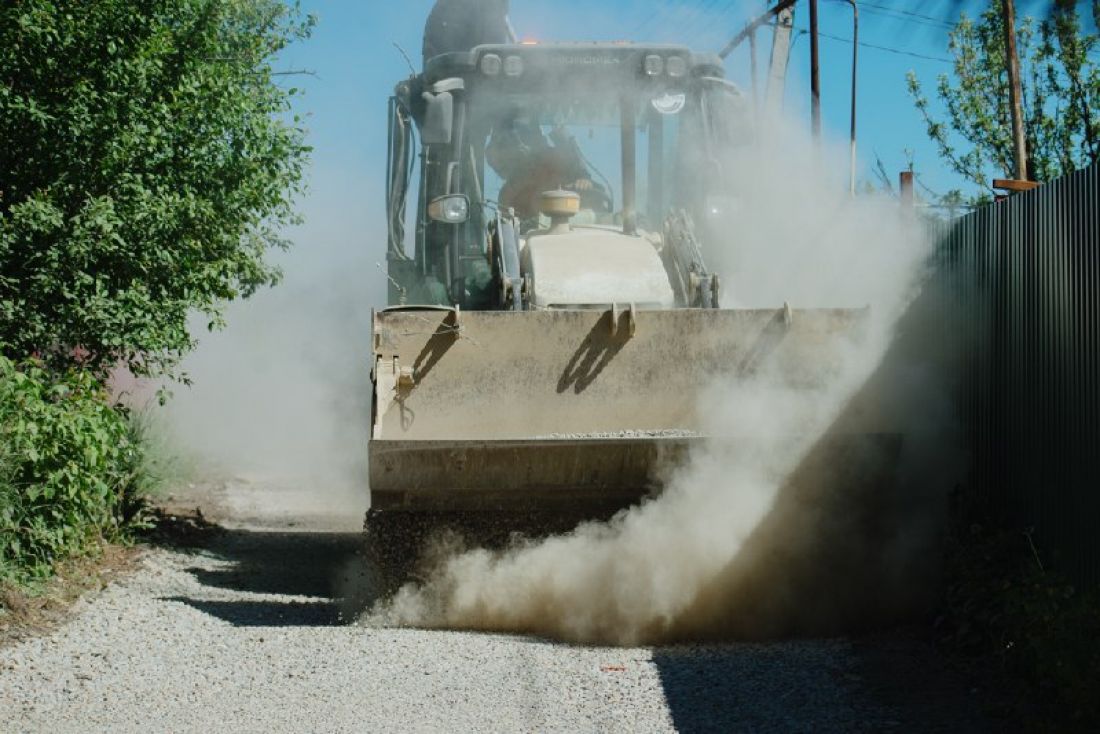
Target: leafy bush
(70, 469)
(150, 164)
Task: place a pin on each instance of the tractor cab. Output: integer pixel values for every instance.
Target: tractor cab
(558, 176)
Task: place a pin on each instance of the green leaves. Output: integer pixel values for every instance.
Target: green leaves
(1060, 75)
(150, 168)
(155, 168)
(69, 468)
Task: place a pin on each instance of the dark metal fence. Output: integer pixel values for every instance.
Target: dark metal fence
(1023, 281)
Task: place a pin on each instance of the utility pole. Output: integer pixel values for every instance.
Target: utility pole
(783, 12)
(777, 63)
(784, 6)
(855, 66)
(752, 64)
(1012, 61)
(815, 75)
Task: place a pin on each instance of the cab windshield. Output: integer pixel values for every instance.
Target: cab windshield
(625, 156)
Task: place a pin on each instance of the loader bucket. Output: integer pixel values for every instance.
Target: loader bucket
(511, 410)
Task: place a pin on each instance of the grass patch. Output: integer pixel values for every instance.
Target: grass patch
(33, 608)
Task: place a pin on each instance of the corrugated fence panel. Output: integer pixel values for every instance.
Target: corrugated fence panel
(1023, 281)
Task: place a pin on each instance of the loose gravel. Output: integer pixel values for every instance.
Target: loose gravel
(633, 434)
(248, 635)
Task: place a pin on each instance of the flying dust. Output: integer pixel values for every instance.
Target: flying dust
(824, 520)
(279, 408)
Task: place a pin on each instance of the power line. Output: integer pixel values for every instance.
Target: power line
(888, 49)
(645, 23)
(702, 15)
(660, 10)
(902, 16)
(716, 15)
(690, 21)
(661, 16)
(694, 16)
(904, 19)
(910, 13)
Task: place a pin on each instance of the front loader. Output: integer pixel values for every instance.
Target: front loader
(552, 327)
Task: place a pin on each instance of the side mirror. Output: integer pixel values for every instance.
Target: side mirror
(450, 209)
(439, 111)
(439, 117)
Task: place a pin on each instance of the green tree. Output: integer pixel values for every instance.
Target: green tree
(149, 164)
(1061, 96)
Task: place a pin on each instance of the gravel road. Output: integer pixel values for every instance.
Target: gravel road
(248, 633)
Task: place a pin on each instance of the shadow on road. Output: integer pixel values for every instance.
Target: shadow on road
(892, 682)
(269, 614)
(323, 577)
(752, 688)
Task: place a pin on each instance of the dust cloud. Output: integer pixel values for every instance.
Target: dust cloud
(825, 519)
(279, 407)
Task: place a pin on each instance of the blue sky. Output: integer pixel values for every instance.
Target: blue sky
(356, 63)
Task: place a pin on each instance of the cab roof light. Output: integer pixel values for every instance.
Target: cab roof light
(491, 65)
(513, 66)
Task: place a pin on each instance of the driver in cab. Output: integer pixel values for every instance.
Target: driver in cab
(531, 163)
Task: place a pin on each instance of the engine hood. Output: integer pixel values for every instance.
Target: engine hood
(594, 267)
